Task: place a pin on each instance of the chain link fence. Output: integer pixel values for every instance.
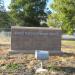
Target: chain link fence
(5, 32)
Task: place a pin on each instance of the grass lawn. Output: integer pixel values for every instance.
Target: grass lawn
(68, 45)
(68, 42)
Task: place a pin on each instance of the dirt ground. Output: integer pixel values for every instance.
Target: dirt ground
(26, 64)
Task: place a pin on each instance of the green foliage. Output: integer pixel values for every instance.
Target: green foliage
(64, 15)
(53, 68)
(12, 66)
(27, 12)
(5, 20)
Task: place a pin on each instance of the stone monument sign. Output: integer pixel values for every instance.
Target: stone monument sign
(29, 39)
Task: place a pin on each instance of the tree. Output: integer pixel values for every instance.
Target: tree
(5, 20)
(27, 12)
(2, 8)
(63, 16)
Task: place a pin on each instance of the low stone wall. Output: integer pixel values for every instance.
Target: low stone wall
(29, 39)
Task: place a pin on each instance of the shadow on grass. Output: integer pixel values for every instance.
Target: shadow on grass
(4, 45)
(65, 54)
(69, 70)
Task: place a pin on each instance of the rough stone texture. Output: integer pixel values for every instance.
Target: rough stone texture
(29, 39)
